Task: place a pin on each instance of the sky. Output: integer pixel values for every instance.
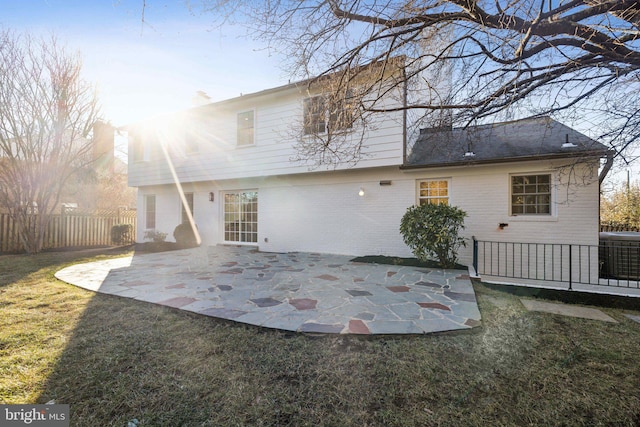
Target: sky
(149, 63)
(143, 68)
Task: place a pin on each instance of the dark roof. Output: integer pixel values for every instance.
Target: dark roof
(501, 142)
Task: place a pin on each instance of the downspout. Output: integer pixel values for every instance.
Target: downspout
(603, 174)
(607, 166)
(404, 118)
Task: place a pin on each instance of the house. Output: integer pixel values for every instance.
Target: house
(103, 184)
(235, 162)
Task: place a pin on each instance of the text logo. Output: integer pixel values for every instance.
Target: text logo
(34, 415)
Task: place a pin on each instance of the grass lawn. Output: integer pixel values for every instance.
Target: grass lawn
(113, 360)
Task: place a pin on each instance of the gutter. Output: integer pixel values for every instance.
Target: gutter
(507, 160)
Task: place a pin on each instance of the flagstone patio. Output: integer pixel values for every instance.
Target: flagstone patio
(302, 292)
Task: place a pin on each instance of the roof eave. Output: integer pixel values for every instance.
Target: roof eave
(586, 154)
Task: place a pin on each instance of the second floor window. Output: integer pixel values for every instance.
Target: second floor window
(314, 116)
(245, 128)
(324, 114)
(191, 144)
(138, 152)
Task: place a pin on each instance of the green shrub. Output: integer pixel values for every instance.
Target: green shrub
(156, 236)
(185, 236)
(431, 231)
(121, 234)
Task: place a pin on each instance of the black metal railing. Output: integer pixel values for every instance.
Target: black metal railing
(608, 264)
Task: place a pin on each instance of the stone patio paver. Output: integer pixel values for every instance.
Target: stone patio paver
(303, 292)
(567, 310)
(633, 317)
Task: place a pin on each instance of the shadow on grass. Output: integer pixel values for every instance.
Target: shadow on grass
(131, 360)
(127, 360)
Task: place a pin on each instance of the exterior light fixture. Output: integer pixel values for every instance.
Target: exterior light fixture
(211, 196)
(361, 192)
(469, 153)
(568, 144)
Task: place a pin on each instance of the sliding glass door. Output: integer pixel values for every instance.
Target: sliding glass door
(241, 216)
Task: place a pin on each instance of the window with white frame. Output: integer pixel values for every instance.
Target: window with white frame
(434, 191)
(139, 151)
(325, 114)
(241, 216)
(246, 129)
(191, 144)
(189, 198)
(531, 194)
(314, 116)
(150, 211)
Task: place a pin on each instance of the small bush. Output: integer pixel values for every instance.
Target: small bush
(156, 236)
(121, 234)
(431, 231)
(185, 236)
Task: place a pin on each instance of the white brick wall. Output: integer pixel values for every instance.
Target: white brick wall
(322, 212)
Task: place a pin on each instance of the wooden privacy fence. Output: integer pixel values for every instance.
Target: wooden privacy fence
(71, 227)
(617, 226)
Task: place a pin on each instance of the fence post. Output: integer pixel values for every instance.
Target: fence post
(475, 254)
(63, 226)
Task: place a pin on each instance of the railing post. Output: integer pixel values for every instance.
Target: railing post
(475, 254)
(570, 266)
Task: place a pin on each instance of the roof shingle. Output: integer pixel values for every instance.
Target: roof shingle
(500, 142)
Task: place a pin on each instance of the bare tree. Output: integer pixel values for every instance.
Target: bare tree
(469, 61)
(46, 114)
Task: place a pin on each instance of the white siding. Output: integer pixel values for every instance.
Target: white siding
(322, 212)
(277, 126)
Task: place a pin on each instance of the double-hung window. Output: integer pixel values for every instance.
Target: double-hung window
(315, 115)
(191, 144)
(246, 132)
(139, 152)
(434, 191)
(150, 211)
(327, 114)
(531, 194)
